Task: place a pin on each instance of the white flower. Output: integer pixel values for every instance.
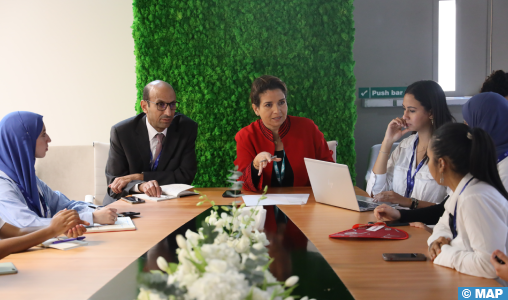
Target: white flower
(258, 294)
(258, 246)
(214, 286)
(242, 245)
(192, 237)
(291, 281)
(305, 298)
(216, 266)
(260, 237)
(221, 238)
(222, 252)
(162, 263)
(289, 298)
(180, 240)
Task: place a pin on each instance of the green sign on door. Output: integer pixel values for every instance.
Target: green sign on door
(381, 92)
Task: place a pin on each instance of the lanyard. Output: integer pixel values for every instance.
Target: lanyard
(411, 179)
(454, 230)
(280, 175)
(31, 205)
(156, 162)
(502, 156)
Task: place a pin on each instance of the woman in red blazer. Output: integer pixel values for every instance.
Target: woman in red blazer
(278, 138)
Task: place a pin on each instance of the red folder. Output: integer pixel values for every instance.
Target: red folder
(364, 231)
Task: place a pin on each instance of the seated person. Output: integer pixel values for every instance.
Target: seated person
(497, 82)
(25, 200)
(500, 262)
(288, 138)
(156, 147)
(475, 221)
(14, 239)
(403, 177)
(486, 111)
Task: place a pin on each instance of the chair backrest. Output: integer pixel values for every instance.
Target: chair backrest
(374, 152)
(332, 145)
(100, 154)
(67, 169)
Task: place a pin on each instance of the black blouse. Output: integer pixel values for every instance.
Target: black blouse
(288, 172)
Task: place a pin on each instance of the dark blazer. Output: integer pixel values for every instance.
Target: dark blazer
(129, 153)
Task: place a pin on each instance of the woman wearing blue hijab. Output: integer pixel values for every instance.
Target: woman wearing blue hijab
(25, 200)
(487, 111)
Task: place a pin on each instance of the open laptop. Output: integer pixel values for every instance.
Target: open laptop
(332, 185)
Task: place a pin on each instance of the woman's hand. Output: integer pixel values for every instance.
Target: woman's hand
(422, 226)
(386, 213)
(64, 221)
(501, 269)
(262, 160)
(76, 231)
(396, 130)
(392, 197)
(106, 215)
(435, 247)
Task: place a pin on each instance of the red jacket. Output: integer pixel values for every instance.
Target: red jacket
(301, 138)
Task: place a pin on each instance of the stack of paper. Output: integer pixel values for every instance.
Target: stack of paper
(277, 199)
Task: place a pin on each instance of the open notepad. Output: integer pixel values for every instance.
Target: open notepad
(63, 246)
(122, 224)
(169, 191)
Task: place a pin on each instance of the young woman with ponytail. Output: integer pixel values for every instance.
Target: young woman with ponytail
(475, 222)
(487, 111)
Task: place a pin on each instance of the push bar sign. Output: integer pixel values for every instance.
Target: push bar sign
(381, 92)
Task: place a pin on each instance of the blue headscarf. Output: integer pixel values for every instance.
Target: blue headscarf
(489, 111)
(19, 131)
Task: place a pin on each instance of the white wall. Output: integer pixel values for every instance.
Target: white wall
(70, 61)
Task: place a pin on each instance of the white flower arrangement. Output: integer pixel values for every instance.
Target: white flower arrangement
(226, 259)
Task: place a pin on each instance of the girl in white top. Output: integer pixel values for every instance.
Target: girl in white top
(403, 177)
(475, 221)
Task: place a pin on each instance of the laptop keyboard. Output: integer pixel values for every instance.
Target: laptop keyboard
(364, 204)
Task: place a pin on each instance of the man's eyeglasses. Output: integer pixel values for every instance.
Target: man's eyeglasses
(163, 105)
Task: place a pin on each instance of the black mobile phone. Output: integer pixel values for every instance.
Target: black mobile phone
(404, 257)
(129, 214)
(132, 200)
(231, 193)
(499, 260)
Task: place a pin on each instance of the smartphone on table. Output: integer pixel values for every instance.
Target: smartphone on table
(404, 257)
(7, 268)
(132, 200)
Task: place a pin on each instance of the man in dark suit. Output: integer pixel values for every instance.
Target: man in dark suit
(154, 148)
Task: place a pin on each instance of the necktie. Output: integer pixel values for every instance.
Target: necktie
(158, 148)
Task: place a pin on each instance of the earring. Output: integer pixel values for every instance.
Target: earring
(441, 181)
(432, 121)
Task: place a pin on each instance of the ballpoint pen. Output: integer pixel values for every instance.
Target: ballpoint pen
(69, 240)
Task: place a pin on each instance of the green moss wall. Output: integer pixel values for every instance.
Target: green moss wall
(211, 51)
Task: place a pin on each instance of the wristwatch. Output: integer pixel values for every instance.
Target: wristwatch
(414, 203)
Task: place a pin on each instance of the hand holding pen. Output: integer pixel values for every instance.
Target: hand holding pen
(262, 160)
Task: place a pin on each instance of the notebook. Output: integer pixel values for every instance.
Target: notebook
(63, 246)
(169, 191)
(122, 224)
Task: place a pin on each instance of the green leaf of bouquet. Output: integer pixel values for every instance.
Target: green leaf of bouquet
(200, 267)
(156, 272)
(172, 267)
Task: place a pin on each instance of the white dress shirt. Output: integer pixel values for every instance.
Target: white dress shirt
(482, 227)
(2, 222)
(502, 166)
(395, 179)
(152, 132)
